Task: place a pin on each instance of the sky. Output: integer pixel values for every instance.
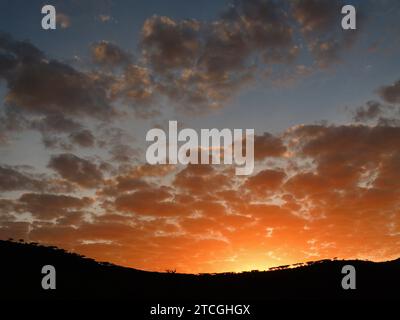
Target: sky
(76, 103)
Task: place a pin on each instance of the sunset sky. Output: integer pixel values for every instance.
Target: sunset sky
(76, 103)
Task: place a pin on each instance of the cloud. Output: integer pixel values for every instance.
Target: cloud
(316, 15)
(121, 184)
(77, 170)
(136, 88)
(17, 178)
(265, 26)
(200, 179)
(59, 131)
(49, 206)
(11, 122)
(52, 87)
(205, 215)
(134, 179)
(151, 202)
(107, 54)
(268, 145)
(371, 111)
(391, 93)
(265, 181)
(40, 86)
(148, 170)
(11, 179)
(168, 44)
(361, 142)
(200, 65)
(347, 158)
(55, 123)
(83, 138)
(319, 22)
(123, 153)
(305, 184)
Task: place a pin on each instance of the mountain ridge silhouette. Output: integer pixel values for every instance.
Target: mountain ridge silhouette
(79, 277)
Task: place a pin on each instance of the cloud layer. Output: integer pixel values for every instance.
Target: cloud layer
(318, 190)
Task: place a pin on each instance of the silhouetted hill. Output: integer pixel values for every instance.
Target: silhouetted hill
(79, 277)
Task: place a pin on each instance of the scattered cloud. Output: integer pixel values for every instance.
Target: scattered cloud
(44, 87)
(370, 111)
(77, 170)
(391, 93)
(108, 54)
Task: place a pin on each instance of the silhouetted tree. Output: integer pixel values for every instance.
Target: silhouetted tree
(171, 271)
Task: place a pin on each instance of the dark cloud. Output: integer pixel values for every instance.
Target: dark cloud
(265, 26)
(12, 179)
(307, 184)
(11, 121)
(200, 65)
(172, 50)
(346, 156)
(77, 170)
(370, 111)
(200, 179)
(17, 51)
(16, 178)
(111, 136)
(389, 121)
(83, 138)
(152, 202)
(49, 206)
(123, 153)
(47, 87)
(265, 181)
(168, 44)
(56, 142)
(391, 93)
(41, 86)
(121, 184)
(136, 88)
(55, 123)
(360, 141)
(316, 15)
(320, 23)
(268, 145)
(53, 128)
(6, 208)
(73, 218)
(108, 54)
(134, 179)
(148, 170)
